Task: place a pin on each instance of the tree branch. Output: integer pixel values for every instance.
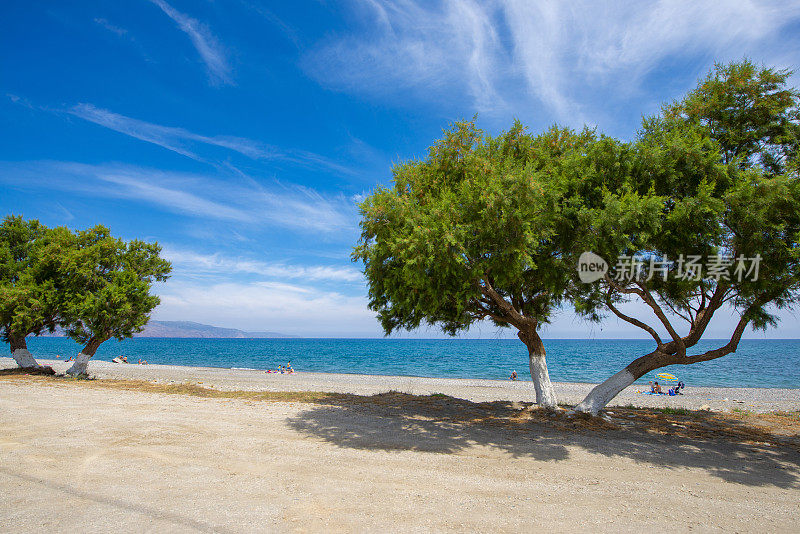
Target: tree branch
(634, 322)
(676, 312)
(721, 351)
(514, 316)
(650, 301)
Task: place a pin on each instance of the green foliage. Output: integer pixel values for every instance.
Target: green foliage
(93, 285)
(713, 174)
(478, 212)
(27, 304)
(749, 111)
(107, 282)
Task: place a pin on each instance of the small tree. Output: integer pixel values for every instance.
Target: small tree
(27, 301)
(474, 232)
(107, 289)
(721, 165)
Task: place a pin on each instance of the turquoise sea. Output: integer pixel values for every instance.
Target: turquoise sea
(757, 363)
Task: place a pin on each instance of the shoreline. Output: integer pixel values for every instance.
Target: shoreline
(477, 390)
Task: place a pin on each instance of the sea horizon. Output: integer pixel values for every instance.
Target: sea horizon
(569, 360)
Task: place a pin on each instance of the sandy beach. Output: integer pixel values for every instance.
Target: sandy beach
(86, 456)
(719, 399)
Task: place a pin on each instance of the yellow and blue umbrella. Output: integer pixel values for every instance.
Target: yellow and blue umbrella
(667, 377)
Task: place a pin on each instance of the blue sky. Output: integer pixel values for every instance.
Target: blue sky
(240, 134)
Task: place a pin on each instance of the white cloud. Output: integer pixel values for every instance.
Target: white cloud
(615, 45)
(278, 307)
(408, 45)
(169, 137)
(204, 42)
(202, 196)
(185, 142)
(569, 58)
(135, 185)
(188, 261)
(110, 27)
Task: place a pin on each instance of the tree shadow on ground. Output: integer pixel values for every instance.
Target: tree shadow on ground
(725, 447)
(27, 371)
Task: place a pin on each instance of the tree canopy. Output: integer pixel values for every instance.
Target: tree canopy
(749, 111)
(107, 291)
(475, 232)
(720, 168)
(92, 285)
(701, 210)
(27, 301)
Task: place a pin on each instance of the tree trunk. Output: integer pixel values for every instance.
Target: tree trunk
(81, 364)
(21, 354)
(545, 394)
(603, 393)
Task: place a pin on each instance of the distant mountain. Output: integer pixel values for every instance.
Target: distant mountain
(188, 329)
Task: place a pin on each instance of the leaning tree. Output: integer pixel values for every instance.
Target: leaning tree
(106, 292)
(475, 232)
(28, 302)
(720, 168)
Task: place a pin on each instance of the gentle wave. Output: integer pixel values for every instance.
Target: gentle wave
(757, 363)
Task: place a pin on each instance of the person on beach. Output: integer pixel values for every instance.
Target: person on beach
(652, 387)
(513, 375)
(658, 389)
(289, 368)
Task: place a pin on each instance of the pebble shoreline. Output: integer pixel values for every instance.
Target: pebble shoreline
(478, 390)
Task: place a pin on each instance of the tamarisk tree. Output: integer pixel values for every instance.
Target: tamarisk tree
(28, 304)
(474, 232)
(720, 167)
(107, 289)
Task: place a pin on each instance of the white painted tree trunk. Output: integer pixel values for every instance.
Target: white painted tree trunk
(545, 394)
(24, 358)
(602, 394)
(80, 366)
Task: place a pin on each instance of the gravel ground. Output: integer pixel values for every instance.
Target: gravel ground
(76, 458)
(718, 399)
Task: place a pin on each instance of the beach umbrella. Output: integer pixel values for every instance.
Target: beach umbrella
(667, 377)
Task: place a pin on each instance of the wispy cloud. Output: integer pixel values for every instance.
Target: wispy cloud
(193, 262)
(283, 27)
(188, 143)
(194, 195)
(563, 47)
(566, 59)
(205, 43)
(169, 137)
(110, 27)
(408, 45)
